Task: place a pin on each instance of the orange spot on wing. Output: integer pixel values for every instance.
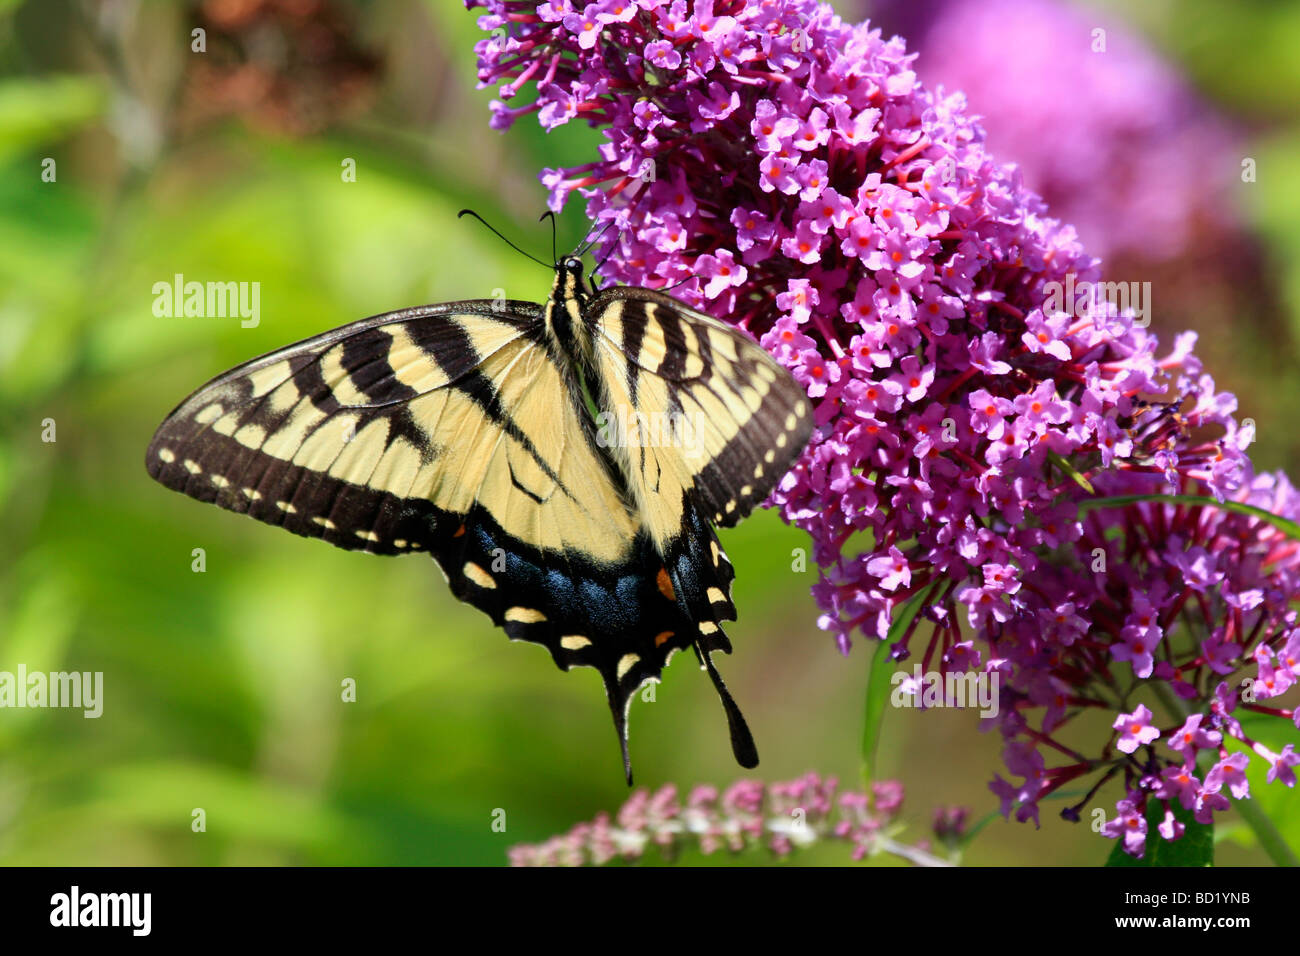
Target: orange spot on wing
(459, 531)
(665, 585)
(661, 639)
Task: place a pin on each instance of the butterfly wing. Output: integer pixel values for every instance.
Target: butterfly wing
(447, 429)
(334, 437)
(700, 416)
(743, 421)
(703, 423)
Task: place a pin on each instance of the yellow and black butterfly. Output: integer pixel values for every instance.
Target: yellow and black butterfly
(563, 463)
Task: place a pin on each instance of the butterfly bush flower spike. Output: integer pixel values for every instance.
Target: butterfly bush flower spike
(779, 817)
(787, 172)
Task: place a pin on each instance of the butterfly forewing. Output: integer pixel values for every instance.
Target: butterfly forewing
(324, 436)
(742, 420)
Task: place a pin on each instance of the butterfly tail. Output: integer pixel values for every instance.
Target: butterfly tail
(701, 576)
(742, 741)
(619, 704)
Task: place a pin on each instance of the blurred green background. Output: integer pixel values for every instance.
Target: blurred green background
(222, 688)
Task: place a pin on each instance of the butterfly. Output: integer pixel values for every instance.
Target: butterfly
(564, 463)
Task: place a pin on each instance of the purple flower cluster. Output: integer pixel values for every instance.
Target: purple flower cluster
(782, 817)
(789, 171)
(1110, 135)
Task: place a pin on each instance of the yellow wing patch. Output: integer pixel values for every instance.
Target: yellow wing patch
(735, 420)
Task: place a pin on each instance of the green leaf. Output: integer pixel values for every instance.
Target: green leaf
(879, 680)
(1073, 472)
(1194, 848)
(1288, 527)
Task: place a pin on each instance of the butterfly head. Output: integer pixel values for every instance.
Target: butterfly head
(571, 266)
(568, 280)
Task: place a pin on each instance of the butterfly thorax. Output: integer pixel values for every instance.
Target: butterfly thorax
(564, 311)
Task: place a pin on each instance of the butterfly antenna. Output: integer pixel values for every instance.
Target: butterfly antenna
(591, 242)
(555, 254)
(601, 264)
(497, 233)
(742, 741)
(669, 288)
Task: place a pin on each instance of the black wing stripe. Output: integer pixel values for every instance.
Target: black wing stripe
(450, 346)
(311, 385)
(365, 359)
(455, 351)
(673, 366)
(633, 334)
